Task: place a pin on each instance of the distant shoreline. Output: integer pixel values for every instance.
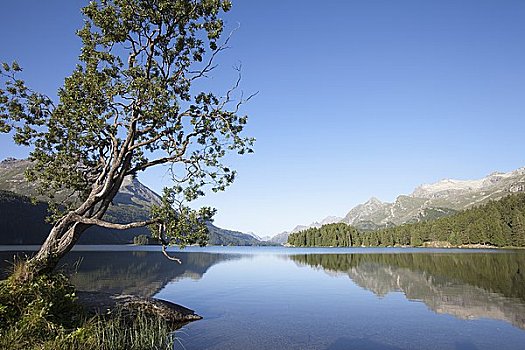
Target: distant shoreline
(131, 247)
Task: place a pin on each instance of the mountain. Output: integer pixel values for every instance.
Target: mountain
(498, 223)
(23, 222)
(282, 238)
(443, 198)
(427, 202)
(325, 221)
(133, 202)
(257, 237)
(220, 236)
(370, 211)
(331, 220)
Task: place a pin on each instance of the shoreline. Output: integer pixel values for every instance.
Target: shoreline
(101, 303)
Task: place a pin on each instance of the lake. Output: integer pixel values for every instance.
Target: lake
(331, 298)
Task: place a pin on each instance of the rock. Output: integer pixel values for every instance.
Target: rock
(105, 303)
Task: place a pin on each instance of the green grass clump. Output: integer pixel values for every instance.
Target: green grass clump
(43, 313)
(116, 331)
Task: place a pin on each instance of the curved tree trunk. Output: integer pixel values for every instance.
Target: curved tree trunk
(61, 239)
(68, 229)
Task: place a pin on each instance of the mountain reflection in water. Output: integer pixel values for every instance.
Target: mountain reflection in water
(141, 273)
(467, 286)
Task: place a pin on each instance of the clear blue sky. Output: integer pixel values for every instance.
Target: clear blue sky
(356, 98)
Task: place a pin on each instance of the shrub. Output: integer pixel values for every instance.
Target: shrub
(43, 313)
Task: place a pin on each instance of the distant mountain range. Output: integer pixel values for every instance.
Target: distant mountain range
(22, 222)
(426, 202)
(437, 200)
(282, 238)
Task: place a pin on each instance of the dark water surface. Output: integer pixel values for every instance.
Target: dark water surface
(278, 298)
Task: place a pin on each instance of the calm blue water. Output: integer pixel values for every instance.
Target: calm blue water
(278, 298)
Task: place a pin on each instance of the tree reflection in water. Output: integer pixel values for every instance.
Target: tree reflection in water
(467, 286)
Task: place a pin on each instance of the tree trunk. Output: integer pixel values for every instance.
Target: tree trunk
(61, 239)
(67, 230)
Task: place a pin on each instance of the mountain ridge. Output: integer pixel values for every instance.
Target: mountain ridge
(132, 203)
(282, 238)
(429, 201)
(447, 194)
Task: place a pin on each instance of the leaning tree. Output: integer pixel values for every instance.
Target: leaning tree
(130, 105)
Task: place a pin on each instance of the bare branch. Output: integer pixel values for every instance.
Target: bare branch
(172, 258)
(106, 224)
(210, 66)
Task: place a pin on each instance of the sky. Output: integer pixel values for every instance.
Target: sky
(355, 98)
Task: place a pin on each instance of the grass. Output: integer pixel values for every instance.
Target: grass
(44, 314)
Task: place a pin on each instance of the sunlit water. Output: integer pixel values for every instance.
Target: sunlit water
(277, 298)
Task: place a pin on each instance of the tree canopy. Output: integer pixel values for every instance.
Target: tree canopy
(130, 105)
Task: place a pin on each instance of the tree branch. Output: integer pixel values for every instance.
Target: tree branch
(210, 66)
(172, 258)
(106, 224)
(170, 158)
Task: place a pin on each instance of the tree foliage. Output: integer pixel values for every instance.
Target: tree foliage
(130, 104)
(331, 235)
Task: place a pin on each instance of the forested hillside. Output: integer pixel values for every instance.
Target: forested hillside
(443, 198)
(22, 222)
(498, 223)
(331, 235)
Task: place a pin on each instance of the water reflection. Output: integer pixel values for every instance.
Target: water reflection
(141, 273)
(467, 286)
